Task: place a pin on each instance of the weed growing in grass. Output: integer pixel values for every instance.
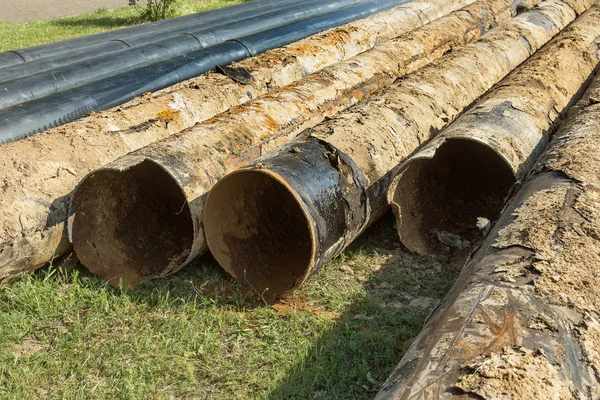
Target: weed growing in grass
(155, 10)
(200, 334)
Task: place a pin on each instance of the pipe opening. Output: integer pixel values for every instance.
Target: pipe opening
(258, 232)
(438, 202)
(131, 225)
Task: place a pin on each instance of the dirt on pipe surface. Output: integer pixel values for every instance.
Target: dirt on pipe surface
(340, 170)
(198, 157)
(39, 173)
(523, 320)
(466, 172)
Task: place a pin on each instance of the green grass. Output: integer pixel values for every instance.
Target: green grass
(40, 32)
(199, 334)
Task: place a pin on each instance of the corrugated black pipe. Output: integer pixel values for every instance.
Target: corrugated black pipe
(41, 84)
(18, 122)
(28, 54)
(122, 39)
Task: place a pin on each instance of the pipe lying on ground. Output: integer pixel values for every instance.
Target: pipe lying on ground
(108, 203)
(144, 33)
(466, 172)
(523, 319)
(38, 85)
(38, 173)
(333, 183)
(62, 107)
(65, 52)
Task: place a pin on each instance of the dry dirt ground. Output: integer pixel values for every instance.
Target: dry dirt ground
(19, 11)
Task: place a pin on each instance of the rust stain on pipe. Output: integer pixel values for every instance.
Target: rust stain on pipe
(539, 265)
(38, 174)
(340, 170)
(467, 171)
(198, 157)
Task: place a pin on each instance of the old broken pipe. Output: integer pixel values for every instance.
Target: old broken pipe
(337, 177)
(520, 315)
(202, 155)
(275, 224)
(467, 171)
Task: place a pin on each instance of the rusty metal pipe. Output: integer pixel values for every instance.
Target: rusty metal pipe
(339, 172)
(466, 172)
(522, 320)
(197, 158)
(39, 173)
(36, 185)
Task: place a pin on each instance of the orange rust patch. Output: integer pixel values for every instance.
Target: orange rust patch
(167, 115)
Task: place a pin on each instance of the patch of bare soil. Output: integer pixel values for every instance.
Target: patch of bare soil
(292, 303)
(28, 347)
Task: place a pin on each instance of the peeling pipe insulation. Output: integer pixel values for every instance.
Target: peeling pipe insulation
(38, 85)
(333, 183)
(523, 319)
(115, 42)
(466, 172)
(62, 107)
(108, 203)
(36, 184)
(139, 34)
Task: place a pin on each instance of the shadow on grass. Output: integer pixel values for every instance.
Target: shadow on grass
(353, 319)
(94, 22)
(355, 357)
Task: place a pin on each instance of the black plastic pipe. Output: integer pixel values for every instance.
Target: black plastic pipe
(159, 36)
(41, 84)
(18, 122)
(21, 56)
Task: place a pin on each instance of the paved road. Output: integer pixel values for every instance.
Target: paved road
(19, 11)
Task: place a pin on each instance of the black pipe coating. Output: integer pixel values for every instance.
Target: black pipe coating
(30, 87)
(20, 56)
(122, 39)
(59, 108)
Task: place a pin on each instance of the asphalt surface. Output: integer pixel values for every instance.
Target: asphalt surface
(19, 11)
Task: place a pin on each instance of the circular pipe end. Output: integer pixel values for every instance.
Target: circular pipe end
(130, 225)
(441, 202)
(259, 232)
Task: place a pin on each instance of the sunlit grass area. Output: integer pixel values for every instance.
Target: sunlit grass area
(39, 32)
(199, 334)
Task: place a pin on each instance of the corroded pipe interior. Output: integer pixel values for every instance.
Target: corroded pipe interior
(463, 181)
(131, 225)
(258, 231)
